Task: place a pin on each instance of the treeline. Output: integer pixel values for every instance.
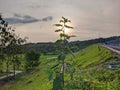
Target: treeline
(44, 48)
(51, 47)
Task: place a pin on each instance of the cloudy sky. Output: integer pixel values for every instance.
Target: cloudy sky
(36, 18)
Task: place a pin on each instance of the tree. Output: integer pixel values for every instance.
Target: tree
(5, 37)
(32, 59)
(10, 43)
(62, 65)
(14, 49)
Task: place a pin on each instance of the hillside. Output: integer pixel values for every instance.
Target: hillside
(91, 72)
(91, 56)
(50, 47)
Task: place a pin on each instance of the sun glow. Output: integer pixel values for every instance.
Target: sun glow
(67, 31)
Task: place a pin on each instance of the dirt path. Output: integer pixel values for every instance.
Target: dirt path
(112, 49)
(6, 78)
(10, 75)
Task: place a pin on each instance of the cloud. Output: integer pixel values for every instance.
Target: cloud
(17, 15)
(21, 19)
(49, 18)
(24, 19)
(34, 6)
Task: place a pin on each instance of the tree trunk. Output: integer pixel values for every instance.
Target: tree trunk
(7, 69)
(63, 74)
(13, 57)
(14, 68)
(0, 66)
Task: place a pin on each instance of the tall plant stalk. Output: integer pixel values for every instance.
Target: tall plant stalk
(63, 45)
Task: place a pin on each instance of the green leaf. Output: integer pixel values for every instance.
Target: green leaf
(58, 30)
(49, 72)
(54, 66)
(59, 41)
(57, 85)
(61, 35)
(63, 18)
(63, 56)
(68, 26)
(61, 21)
(58, 25)
(67, 37)
(59, 57)
(69, 21)
(50, 76)
(56, 69)
(66, 51)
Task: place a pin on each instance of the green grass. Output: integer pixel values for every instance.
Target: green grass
(89, 72)
(37, 80)
(2, 74)
(92, 71)
(92, 55)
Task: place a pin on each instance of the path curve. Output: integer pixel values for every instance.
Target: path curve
(112, 49)
(10, 75)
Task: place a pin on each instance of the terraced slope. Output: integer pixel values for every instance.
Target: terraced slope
(91, 70)
(93, 55)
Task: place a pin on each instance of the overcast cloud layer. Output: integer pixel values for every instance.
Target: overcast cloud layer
(35, 18)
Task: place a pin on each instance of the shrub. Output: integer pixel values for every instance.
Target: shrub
(32, 59)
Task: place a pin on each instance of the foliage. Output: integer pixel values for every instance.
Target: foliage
(10, 44)
(44, 48)
(95, 76)
(63, 48)
(32, 81)
(57, 84)
(92, 71)
(32, 59)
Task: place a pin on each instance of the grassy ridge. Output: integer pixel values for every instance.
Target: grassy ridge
(92, 55)
(92, 72)
(88, 67)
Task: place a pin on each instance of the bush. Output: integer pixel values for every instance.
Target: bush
(32, 59)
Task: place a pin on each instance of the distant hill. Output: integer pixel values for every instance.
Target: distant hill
(50, 47)
(115, 42)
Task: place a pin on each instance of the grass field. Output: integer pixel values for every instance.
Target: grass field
(91, 71)
(36, 80)
(91, 56)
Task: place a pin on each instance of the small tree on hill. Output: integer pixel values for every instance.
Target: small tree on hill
(64, 50)
(14, 49)
(32, 59)
(62, 66)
